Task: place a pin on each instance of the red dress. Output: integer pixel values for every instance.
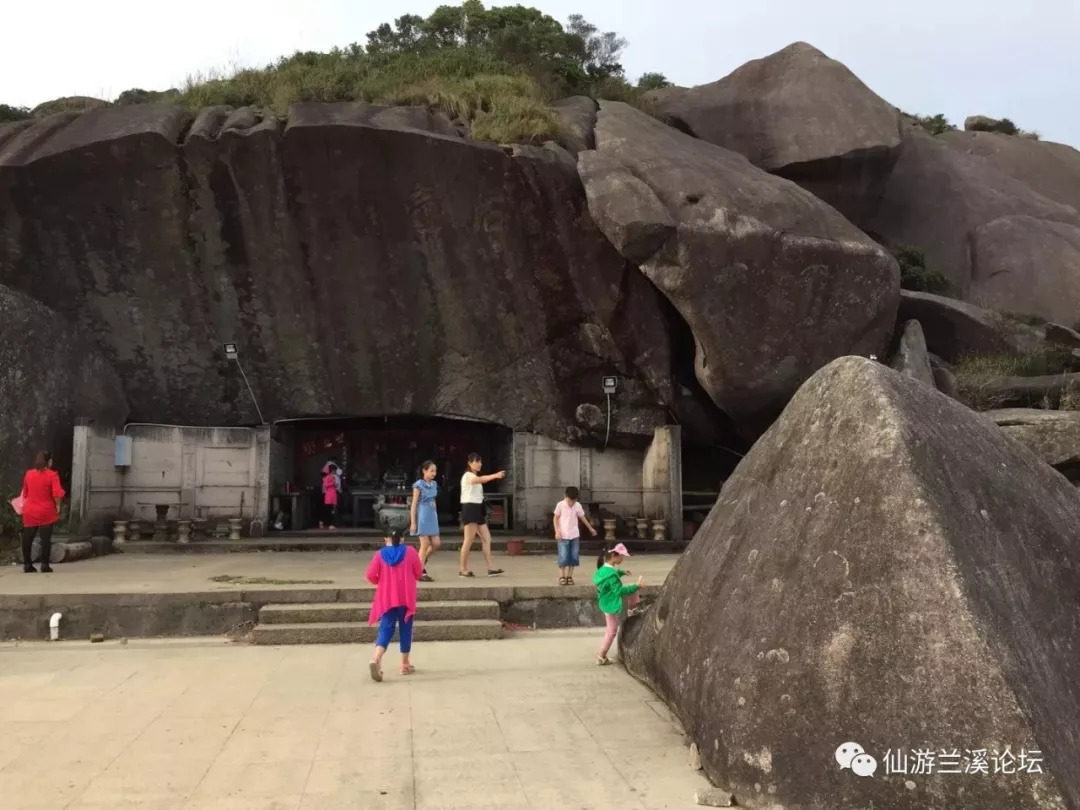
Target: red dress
(40, 490)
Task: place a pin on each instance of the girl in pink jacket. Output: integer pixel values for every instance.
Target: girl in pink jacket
(394, 571)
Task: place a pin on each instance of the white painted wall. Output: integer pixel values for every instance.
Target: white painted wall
(544, 468)
(211, 473)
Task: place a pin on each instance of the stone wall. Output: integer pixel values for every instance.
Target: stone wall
(211, 473)
(544, 468)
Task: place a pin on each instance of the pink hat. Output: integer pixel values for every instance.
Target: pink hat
(620, 550)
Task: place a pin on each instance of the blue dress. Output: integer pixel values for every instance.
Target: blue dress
(427, 516)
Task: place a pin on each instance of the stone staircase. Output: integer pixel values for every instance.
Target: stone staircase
(346, 622)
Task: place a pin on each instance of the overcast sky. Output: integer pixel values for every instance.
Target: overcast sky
(960, 57)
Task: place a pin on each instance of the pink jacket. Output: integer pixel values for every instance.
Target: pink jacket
(394, 571)
(329, 486)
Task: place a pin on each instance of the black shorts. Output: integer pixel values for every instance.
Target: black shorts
(473, 513)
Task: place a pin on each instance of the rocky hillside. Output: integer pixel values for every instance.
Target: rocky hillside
(381, 260)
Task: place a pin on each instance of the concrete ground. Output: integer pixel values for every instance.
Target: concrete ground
(146, 573)
(528, 722)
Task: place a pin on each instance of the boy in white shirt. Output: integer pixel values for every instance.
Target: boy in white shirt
(567, 514)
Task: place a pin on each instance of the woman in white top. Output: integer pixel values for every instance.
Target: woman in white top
(472, 514)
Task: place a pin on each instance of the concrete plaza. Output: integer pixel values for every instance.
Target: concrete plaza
(527, 722)
(195, 573)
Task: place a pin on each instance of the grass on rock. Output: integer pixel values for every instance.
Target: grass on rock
(500, 102)
(976, 374)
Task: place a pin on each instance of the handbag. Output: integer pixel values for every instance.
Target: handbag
(17, 504)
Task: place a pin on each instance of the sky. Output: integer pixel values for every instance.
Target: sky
(1018, 60)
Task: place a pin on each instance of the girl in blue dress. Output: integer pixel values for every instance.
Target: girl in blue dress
(424, 517)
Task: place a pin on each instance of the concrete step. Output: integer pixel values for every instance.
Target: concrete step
(332, 612)
(360, 633)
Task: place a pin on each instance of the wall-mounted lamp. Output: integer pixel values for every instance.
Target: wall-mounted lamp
(232, 353)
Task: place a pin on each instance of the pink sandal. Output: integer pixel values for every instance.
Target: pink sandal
(409, 670)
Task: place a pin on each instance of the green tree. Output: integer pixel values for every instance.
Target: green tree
(652, 81)
(9, 113)
(602, 50)
(915, 275)
(495, 69)
(934, 124)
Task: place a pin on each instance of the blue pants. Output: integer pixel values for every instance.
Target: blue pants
(568, 553)
(392, 617)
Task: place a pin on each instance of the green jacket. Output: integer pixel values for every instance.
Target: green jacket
(609, 588)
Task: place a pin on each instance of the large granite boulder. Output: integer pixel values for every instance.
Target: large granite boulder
(954, 329)
(577, 116)
(1054, 436)
(1029, 265)
(367, 260)
(887, 568)
(1051, 169)
(1000, 242)
(50, 376)
(799, 114)
(773, 282)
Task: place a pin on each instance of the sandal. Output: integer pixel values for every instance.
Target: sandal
(465, 573)
(569, 580)
(562, 580)
(603, 662)
(376, 673)
(409, 670)
(426, 577)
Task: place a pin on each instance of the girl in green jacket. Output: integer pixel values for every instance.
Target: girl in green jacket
(610, 593)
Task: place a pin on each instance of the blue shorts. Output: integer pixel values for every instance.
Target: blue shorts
(568, 553)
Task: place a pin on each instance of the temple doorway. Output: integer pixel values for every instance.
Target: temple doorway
(380, 458)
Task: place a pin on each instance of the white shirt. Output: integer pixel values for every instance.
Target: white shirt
(471, 491)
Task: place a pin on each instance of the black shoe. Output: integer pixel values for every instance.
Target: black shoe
(466, 574)
(425, 577)
(30, 570)
(46, 569)
(495, 572)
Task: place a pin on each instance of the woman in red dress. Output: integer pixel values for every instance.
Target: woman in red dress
(41, 494)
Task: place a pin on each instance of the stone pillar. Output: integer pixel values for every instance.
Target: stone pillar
(518, 483)
(261, 469)
(675, 487)
(661, 479)
(80, 478)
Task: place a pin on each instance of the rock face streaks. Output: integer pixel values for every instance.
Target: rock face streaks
(884, 564)
(367, 260)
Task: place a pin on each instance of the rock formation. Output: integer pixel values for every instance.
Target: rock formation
(1051, 169)
(884, 567)
(911, 357)
(773, 283)
(799, 114)
(578, 117)
(50, 375)
(1000, 242)
(366, 260)
(954, 329)
(944, 379)
(1062, 335)
(1054, 436)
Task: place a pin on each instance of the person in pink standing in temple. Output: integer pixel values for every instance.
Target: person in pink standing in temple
(394, 571)
(330, 496)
